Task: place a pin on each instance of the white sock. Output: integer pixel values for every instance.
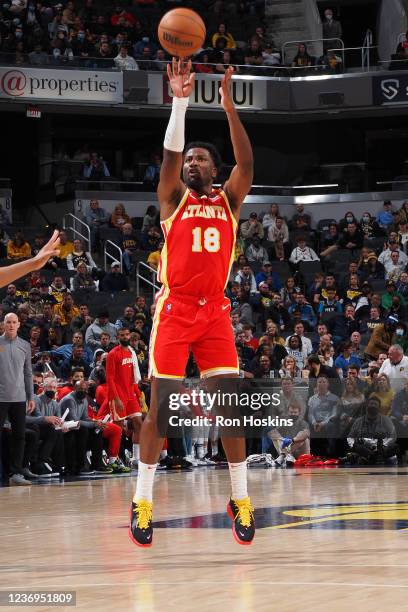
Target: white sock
(112, 460)
(214, 448)
(163, 454)
(144, 484)
(238, 475)
(136, 452)
(200, 451)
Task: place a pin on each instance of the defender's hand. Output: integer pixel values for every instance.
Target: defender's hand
(181, 81)
(51, 249)
(225, 90)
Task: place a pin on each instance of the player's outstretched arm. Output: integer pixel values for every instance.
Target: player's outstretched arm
(171, 187)
(240, 180)
(11, 273)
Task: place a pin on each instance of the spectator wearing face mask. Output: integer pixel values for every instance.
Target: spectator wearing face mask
(370, 227)
(381, 338)
(47, 416)
(144, 49)
(80, 46)
(78, 439)
(331, 29)
(372, 437)
(348, 218)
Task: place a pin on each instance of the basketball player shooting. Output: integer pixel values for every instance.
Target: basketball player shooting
(192, 312)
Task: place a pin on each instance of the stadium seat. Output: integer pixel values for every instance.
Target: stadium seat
(323, 224)
(309, 268)
(282, 268)
(110, 233)
(256, 267)
(376, 244)
(137, 223)
(328, 316)
(378, 284)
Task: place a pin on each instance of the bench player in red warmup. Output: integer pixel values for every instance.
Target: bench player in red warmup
(192, 312)
(123, 395)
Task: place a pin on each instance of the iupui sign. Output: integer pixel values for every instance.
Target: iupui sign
(61, 85)
(247, 92)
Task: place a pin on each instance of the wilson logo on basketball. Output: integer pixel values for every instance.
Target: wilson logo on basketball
(176, 41)
(13, 83)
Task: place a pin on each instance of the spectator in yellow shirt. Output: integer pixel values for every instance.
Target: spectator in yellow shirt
(222, 33)
(66, 247)
(154, 258)
(66, 310)
(383, 392)
(18, 247)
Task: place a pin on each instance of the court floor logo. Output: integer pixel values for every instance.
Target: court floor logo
(360, 516)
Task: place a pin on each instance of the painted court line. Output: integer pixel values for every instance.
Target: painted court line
(143, 580)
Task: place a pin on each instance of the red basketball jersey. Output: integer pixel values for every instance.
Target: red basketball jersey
(199, 245)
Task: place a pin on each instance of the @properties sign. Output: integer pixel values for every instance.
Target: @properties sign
(50, 84)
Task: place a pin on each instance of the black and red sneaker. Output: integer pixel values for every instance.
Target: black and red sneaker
(141, 528)
(241, 513)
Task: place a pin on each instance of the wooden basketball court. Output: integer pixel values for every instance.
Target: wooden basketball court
(326, 539)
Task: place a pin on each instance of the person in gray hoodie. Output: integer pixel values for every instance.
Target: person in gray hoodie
(101, 324)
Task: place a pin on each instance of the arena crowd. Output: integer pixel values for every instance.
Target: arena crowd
(318, 311)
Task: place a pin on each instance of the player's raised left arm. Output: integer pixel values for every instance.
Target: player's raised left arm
(240, 180)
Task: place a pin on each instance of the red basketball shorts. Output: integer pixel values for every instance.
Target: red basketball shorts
(187, 323)
(131, 408)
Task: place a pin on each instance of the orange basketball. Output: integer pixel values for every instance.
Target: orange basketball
(181, 32)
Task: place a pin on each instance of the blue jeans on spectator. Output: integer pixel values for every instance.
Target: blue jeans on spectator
(127, 261)
(267, 445)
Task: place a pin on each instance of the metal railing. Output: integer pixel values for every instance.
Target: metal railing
(265, 70)
(106, 255)
(79, 228)
(392, 182)
(69, 62)
(365, 51)
(315, 40)
(126, 187)
(139, 277)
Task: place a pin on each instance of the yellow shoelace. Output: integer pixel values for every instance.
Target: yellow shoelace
(144, 514)
(245, 511)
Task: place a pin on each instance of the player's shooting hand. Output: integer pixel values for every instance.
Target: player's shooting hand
(181, 78)
(30, 406)
(225, 90)
(51, 249)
